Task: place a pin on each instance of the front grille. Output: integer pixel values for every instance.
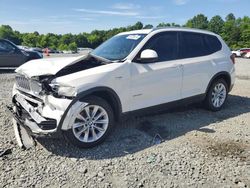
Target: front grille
(23, 83)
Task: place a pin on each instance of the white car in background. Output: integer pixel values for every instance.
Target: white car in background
(247, 55)
(237, 53)
(138, 71)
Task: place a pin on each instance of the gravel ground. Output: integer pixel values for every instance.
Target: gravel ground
(200, 149)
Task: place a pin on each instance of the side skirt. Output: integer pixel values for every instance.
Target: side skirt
(153, 110)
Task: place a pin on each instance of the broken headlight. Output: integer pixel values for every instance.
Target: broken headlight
(63, 90)
(36, 87)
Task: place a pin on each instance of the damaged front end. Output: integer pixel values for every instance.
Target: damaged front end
(37, 109)
(39, 102)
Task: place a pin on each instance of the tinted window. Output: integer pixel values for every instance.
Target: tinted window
(5, 47)
(196, 44)
(213, 43)
(165, 44)
(192, 45)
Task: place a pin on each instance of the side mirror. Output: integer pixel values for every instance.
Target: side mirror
(148, 56)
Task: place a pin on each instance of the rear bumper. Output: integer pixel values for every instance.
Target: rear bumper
(232, 75)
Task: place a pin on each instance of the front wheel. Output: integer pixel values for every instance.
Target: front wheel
(92, 123)
(216, 95)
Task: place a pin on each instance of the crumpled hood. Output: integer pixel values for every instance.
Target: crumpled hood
(48, 66)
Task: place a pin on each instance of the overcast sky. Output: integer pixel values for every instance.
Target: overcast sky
(75, 16)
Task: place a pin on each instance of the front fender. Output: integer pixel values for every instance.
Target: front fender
(79, 102)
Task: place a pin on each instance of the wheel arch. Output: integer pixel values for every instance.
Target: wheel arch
(224, 75)
(105, 93)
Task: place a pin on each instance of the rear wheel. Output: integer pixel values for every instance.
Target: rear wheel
(216, 95)
(92, 123)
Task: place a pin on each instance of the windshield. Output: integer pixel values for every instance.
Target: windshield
(118, 47)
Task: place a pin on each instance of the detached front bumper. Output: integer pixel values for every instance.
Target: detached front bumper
(27, 115)
(35, 117)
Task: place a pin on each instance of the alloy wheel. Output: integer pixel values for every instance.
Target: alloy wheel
(90, 123)
(219, 94)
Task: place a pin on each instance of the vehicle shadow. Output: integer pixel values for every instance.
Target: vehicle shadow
(139, 133)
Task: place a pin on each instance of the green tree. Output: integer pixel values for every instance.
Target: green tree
(244, 27)
(44, 41)
(30, 39)
(216, 24)
(137, 26)
(66, 39)
(231, 32)
(53, 41)
(200, 21)
(175, 25)
(63, 47)
(148, 26)
(81, 40)
(163, 25)
(94, 40)
(230, 17)
(6, 32)
(73, 47)
(236, 33)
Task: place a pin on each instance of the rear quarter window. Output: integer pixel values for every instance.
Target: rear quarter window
(213, 43)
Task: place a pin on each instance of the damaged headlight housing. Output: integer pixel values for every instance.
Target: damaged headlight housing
(36, 87)
(63, 90)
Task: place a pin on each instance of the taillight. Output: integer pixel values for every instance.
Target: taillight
(232, 57)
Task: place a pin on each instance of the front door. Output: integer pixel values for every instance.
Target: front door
(158, 82)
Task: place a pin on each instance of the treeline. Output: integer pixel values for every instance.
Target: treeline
(235, 31)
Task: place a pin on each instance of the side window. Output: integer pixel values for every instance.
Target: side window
(213, 43)
(165, 44)
(6, 48)
(192, 45)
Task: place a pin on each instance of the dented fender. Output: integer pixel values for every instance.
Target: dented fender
(70, 114)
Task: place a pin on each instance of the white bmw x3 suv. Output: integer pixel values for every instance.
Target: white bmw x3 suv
(83, 97)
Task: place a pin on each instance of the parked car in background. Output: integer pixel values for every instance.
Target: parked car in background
(12, 57)
(236, 53)
(247, 55)
(67, 52)
(40, 50)
(145, 70)
(244, 51)
(84, 50)
(50, 50)
(241, 52)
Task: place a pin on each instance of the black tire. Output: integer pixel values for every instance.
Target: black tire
(208, 100)
(93, 100)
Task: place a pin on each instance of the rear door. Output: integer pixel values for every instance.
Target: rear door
(197, 61)
(10, 56)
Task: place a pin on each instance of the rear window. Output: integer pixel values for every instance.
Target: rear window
(196, 44)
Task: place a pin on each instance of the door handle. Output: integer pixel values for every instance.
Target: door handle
(118, 77)
(176, 66)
